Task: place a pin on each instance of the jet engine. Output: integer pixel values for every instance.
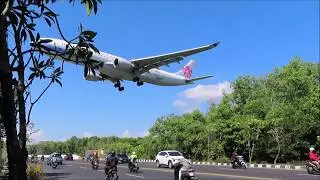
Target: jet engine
(122, 64)
(88, 75)
(91, 77)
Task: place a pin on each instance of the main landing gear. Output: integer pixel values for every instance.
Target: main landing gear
(139, 83)
(118, 85)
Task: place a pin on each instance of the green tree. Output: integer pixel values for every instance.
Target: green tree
(293, 97)
(249, 132)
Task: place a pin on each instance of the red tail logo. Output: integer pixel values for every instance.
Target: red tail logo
(187, 71)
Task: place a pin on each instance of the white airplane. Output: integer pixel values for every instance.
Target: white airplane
(117, 69)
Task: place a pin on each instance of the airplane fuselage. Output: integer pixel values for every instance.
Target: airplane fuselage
(124, 69)
(153, 76)
(116, 69)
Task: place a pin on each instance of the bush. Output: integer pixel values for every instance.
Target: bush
(4, 172)
(223, 160)
(35, 172)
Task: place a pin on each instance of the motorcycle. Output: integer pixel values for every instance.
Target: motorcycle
(134, 167)
(112, 174)
(95, 164)
(239, 164)
(312, 168)
(34, 159)
(184, 171)
(54, 163)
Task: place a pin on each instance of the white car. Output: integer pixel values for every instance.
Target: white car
(168, 158)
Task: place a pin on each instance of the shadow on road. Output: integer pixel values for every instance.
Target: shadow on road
(55, 175)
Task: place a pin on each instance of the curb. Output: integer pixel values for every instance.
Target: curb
(269, 166)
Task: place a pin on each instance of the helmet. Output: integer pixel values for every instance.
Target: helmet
(133, 152)
(113, 153)
(312, 149)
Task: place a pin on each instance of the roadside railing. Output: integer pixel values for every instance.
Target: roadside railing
(271, 166)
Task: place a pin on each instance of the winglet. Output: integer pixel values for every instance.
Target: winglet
(214, 45)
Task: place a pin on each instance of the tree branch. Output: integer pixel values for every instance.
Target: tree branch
(29, 60)
(7, 8)
(59, 28)
(33, 103)
(18, 45)
(12, 52)
(29, 83)
(33, 131)
(28, 94)
(31, 57)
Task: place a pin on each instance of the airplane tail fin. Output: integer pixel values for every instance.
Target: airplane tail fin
(186, 71)
(191, 81)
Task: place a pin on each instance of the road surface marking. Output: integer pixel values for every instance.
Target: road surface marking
(216, 174)
(303, 174)
(227, 169)
(84, 167)
(202, 173)
(236, 176)
(135, 176)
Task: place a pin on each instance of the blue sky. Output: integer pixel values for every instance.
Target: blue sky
(255, 37)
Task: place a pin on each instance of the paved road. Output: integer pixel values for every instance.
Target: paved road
(81, 170)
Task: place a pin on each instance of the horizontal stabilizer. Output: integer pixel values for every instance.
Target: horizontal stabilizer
(190, 81)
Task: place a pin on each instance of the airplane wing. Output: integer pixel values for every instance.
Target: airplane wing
(145, 64)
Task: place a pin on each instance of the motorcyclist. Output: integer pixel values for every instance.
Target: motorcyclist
(111, 162)
(133, 157)
(234, 157)
(95, 157)
(314, 157)
(32, 158)
(177, 167)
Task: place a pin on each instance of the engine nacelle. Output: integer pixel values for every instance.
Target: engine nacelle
(91, 77)
(123, 64)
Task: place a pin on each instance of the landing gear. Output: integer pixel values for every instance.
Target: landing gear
(135, 79)
(121, 88)
(118, 85)
(139, 83)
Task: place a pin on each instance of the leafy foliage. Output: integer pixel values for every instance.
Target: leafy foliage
(23, 18)
(18, 24)
(35, 172)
